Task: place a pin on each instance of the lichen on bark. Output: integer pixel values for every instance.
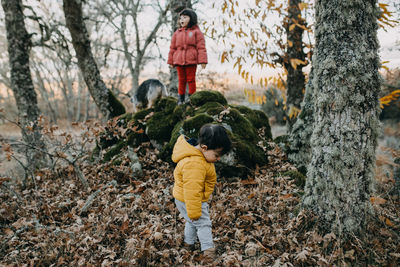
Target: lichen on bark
(346, 86)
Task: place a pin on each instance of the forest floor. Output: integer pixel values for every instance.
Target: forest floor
(121, 220)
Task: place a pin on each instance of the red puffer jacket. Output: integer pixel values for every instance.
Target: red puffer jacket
(187, 47)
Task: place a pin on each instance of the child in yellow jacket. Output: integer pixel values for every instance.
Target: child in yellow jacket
(195, 179)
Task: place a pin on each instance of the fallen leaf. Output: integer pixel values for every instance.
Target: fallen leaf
(377, 200)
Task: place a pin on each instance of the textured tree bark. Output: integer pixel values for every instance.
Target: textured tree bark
(295, 78)
(19, 45)
(176, 7)
(103, 97)
(346, 82)
(299, 139)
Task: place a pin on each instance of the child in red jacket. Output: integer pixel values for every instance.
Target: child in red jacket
(188, 48)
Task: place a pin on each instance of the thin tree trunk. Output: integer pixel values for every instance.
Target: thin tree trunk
(87, 106)
(70, 92)
(19, 45)
(79, 98)
(295, 78)
(103, 97)
(176, 7)
(64, 90)
(45, 96)
(346, 79)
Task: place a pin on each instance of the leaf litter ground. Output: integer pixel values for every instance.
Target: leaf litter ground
(134, 222)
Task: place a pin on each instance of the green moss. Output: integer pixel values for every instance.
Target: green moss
(248, 153)
(297, 176)
(161, 124)
(159, 127)
(184, 111)
(135, 138)
(116, 107)
(114, 150)
(166, 152)
(116, 162)
(211, 108)
(165, 104)
(257, 118)
(202, 97)
(192, 126)
(140, 115)
(125, 118)
(241, 126)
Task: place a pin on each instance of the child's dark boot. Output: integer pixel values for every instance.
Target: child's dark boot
(181, 99)
(189, 247)
(188, 99)
(209, 256)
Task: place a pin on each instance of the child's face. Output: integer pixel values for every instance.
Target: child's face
(184, 21)
(212, 155)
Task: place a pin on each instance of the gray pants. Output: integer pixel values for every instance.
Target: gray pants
(200, 228)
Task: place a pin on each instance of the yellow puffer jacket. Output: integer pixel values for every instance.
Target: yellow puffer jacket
(195, 178)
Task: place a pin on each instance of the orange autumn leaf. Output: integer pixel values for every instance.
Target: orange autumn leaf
(287, 196)
(377, 200)
(386, 221)
(249, 182)
(251, 196)
(124, 226)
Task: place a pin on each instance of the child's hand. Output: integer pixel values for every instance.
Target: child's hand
(203, 65)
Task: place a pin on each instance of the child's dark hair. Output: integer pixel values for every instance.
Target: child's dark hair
(214, 136)
(191, 14)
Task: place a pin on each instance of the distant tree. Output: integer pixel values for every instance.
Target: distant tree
(278, 45)
(346, 84)
(123, 17)
(296, 59)
(103, 97)
(19, 46)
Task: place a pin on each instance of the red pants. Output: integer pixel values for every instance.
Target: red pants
(186, 74)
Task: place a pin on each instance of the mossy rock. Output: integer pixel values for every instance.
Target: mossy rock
(124, 119)
(248, 153)
(240, 125)
(192, 125)
(140, 115)
(168, 121)
(257, 117)
(202, 97)
(165, 105)
(183, 111)
(161, 124)
(166, 152)
(297, 176)
(114, 150)
(211, 108)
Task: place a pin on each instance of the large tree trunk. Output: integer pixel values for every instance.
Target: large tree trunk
(103, 97)
(19, 45)
(295, 78)
(343, 142)
(176, 7)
